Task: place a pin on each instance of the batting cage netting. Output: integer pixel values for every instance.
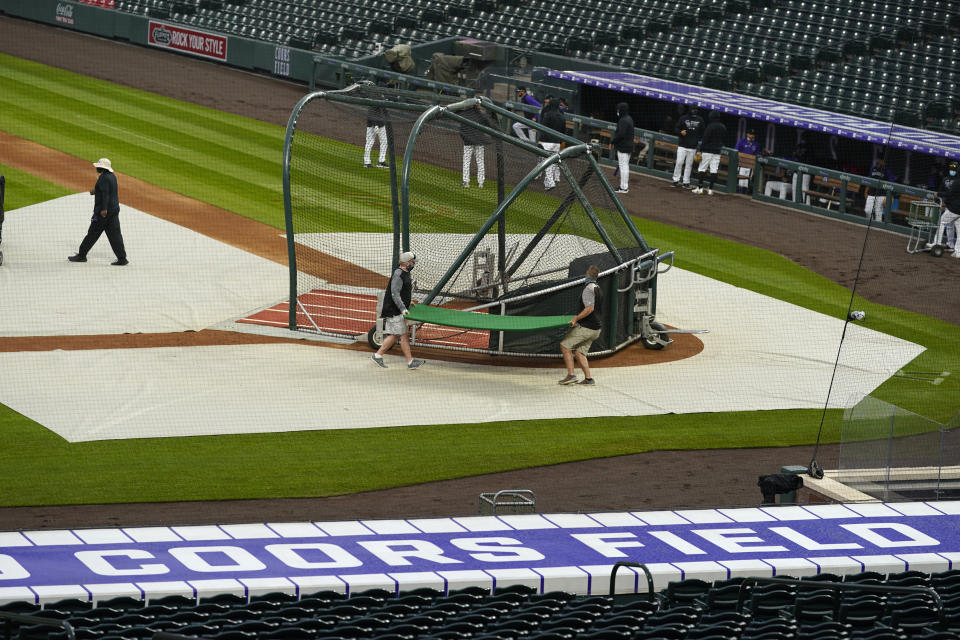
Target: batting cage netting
(500, 225)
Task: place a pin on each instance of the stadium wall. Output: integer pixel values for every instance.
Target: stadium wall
(286, 62)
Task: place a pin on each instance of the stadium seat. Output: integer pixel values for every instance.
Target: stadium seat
(861, 611)
(685, 591)
(122, 602)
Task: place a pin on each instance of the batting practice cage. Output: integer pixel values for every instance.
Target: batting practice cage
(503, 229)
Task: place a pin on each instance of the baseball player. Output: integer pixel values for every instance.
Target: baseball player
(622, 142)
(689, 128)
(949, 196)
(523, 131)
(376, 129)
(873, 207)
(710, 148)
(473, 146)
(551, 117)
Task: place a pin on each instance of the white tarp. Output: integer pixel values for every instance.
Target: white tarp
(177, 279)
(760, 354)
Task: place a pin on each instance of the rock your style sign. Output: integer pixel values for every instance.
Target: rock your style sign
(569, 552)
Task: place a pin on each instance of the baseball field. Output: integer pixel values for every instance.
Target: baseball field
(165, 134)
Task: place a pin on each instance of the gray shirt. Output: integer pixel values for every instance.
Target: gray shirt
(396, 286)
(589, 295)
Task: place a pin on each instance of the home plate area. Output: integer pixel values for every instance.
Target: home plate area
(353, 314)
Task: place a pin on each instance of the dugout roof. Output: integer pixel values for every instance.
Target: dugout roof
(908, 138)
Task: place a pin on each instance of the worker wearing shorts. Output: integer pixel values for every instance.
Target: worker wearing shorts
(396, 305)
(585, 328)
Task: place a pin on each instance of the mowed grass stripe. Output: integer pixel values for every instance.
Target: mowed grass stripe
(185, 159)
(108, 96)
(24, 189)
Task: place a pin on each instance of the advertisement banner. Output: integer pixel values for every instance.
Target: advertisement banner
(198, 43)
(573, 552)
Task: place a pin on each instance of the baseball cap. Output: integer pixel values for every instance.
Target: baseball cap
(407, 256)
(103, 163)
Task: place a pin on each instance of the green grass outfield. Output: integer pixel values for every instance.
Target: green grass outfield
(234, 163)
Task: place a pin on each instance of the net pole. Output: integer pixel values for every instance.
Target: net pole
(288, 206)
(814, 469)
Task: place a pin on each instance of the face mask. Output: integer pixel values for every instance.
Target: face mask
(409, 268)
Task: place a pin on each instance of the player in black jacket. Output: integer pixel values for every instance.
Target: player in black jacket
(710, 147)
(474, 141)
(551, 117)
(622, 142)
(949, 196)
(376, 129)
(690, 128)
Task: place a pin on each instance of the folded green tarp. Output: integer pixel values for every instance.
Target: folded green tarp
(484, 321)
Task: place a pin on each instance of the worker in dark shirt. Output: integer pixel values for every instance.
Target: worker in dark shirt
(690, 128)
(584, 329)
(622, 142)
(106, 216)
(3, 185)
(710, 147)
(397, 300)
(3, 188)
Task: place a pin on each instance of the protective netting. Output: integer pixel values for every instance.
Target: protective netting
(490, 216)
(541, 231)
(344, 204)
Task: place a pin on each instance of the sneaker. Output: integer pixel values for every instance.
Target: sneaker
(698, 190)
(709, 192)
(587, 381)
(956, 254)
(382, 165)
(550, 187)
(676, 184)
(687, 187)
(379, 361)
(77, 258)
(569, 380)
(413, 364)
(621, 191)
(367, 166)
(465, 184)
(120, 263)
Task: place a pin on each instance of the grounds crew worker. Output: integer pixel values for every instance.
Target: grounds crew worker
(396, 305)
(106, 216)
(3, 187)
(585, 328)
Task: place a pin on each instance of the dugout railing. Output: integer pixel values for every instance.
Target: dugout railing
(814, 189)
